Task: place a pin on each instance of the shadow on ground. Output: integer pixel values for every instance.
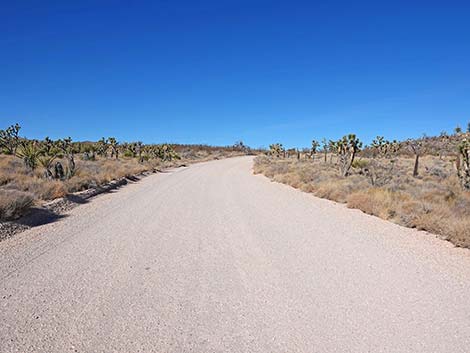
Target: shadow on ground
(38, 217)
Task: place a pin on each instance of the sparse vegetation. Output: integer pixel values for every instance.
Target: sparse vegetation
(422, 183)
(33, 171)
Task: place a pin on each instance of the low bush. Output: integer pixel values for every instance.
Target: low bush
(14, 203)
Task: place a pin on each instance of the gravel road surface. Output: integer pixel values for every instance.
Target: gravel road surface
(212, 258)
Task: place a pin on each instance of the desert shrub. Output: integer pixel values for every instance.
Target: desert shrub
(459, 232)
(80, 182)
(377, 201)
(360, 163)
(49, 189)
(14, 203)
(41, 189)
(339, 188)
(331, 191)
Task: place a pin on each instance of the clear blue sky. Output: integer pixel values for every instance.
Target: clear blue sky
(216, 71)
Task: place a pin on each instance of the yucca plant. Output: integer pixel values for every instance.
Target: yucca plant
(29, 153)
(46, 161)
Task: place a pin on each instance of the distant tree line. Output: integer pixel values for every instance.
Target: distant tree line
(48, 153)
(349, 147)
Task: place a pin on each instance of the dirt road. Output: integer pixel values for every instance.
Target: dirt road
(211, 258)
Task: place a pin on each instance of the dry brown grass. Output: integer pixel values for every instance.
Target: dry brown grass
(433, 202)
(14, 203)
(14, 176)
(94, 173)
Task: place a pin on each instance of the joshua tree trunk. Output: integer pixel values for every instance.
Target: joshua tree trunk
(346, 161)
(415, 169)
(71, 166)
(463, 165)
(58, 171)
(48, 174)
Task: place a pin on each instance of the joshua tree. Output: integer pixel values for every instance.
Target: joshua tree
(129, 149)
(347, 148)
(379, 146)
(418, 149)
(114, 147)
(276, 149)
(147, 152)
(102, 147)
(393, 148)
(441, 146)
(468, 128)
(165, 152)
(138, 150)
(332, 148)
(66, 147)
(384, 148)
(463, 163)
(10, 139)
(458, 130)
(48, 147)
(240, 146)
(313, 150)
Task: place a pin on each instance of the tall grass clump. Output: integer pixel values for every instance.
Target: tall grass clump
(14, 203)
